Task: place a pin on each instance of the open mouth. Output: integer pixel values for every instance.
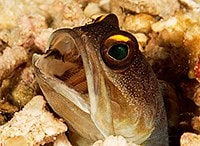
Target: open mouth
(62, 68)
(74, 77)
(64, 61)
(72, 72)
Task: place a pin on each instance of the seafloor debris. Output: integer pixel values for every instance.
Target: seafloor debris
(10, 60)
(162, 8)
(168, 34)
(114, 141)
(25, 30)
(6, 108)
(61, 140)
(190, 139)
(33, 125)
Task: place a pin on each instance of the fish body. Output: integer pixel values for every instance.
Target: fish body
(97, 80)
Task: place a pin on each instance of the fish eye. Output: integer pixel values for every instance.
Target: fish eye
(118, 50)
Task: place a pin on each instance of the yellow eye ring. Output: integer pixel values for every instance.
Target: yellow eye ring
(118, 50)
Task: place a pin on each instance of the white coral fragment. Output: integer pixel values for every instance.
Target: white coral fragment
(33, 125)
(190, 139)
(10, 59)
(114, 141)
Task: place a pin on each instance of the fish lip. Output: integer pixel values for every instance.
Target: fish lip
(35, 57)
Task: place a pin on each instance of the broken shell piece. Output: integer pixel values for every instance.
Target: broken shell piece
(196, 96)
(33, 125)
(114, 141)
(139, 23)
(162, 8)
(92, 9)
(10, 60)
(191, 4)
(142, 40)
(196, 123)
(190, 139)
(62, 140)
(41, 39)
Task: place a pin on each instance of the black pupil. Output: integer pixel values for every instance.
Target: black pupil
(119, 51)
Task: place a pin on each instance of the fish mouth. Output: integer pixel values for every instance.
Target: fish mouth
(71, 67)
(61, 67)
(66, 62)
(68, 67)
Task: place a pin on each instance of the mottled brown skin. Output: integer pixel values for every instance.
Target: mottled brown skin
(123, 96)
